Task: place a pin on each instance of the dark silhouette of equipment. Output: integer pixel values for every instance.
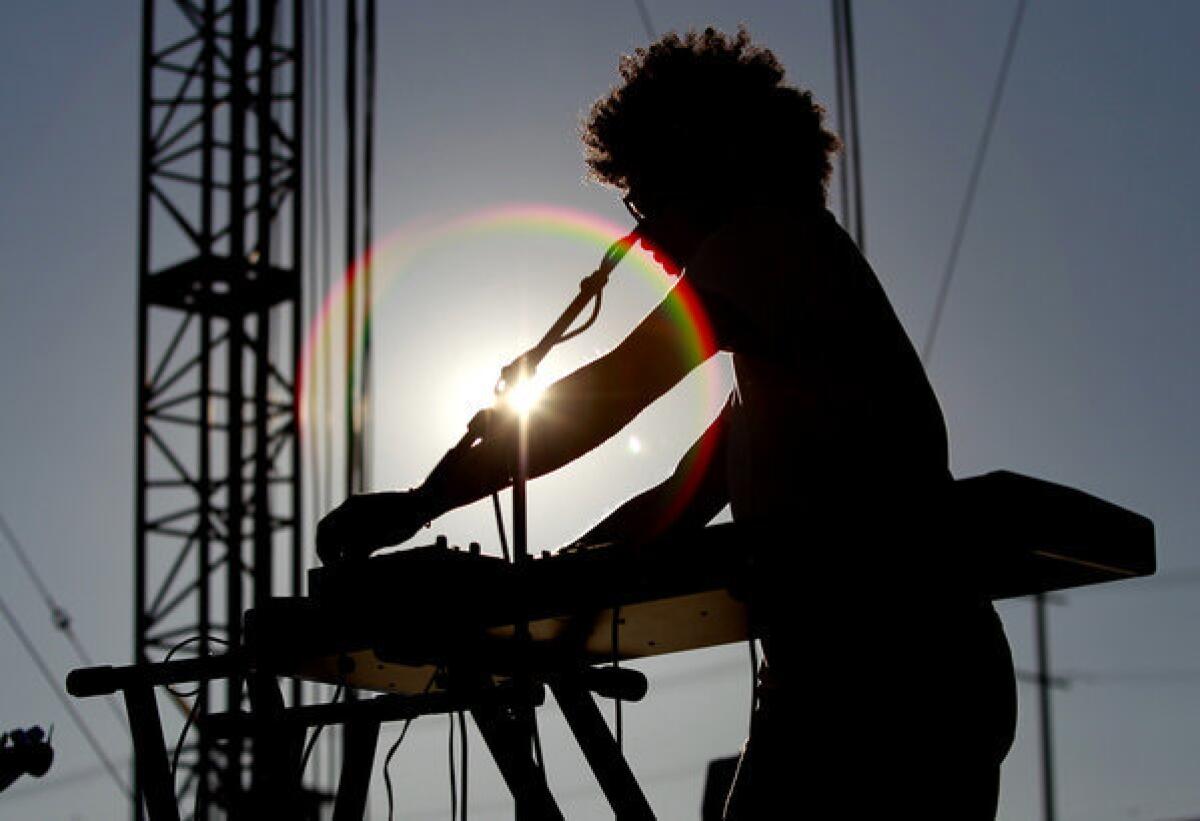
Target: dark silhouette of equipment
(434, 629)
(24, 752)
(717, 783)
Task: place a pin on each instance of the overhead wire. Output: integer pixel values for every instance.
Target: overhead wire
(964, 212)
(647, 23)
(72, 711)
(847, 114)
(58, 613)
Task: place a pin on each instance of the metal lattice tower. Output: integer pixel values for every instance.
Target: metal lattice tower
(219, 331)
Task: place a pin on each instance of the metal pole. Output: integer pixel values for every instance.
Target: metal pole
(297, 318)
(850, 162)
(235, 409)
(1043, 680)
(204, 536)
(524, 710)
(141, 622)
(364, 428)
(352, 478)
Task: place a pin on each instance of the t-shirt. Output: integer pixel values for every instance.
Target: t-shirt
(831, 401)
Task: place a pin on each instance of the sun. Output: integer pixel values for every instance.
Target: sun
(524, 396)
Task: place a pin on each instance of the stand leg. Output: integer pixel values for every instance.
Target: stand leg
(508, 738)
(622, 790)
(361, 739)
(150, 752)
(277, 750)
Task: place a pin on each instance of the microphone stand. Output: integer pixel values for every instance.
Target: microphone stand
(525, 366)
(513, 374)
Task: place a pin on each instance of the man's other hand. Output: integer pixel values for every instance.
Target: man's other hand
(365, 523)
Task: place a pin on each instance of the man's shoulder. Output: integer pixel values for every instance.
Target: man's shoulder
(760, 242)
(777, 228)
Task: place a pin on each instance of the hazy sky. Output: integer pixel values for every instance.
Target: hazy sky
(1068, 348)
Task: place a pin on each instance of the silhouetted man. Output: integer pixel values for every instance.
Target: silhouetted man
(887, 688)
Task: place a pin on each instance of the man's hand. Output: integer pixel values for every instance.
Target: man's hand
(365, 523)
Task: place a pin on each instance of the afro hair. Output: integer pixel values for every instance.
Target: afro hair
(704, 118)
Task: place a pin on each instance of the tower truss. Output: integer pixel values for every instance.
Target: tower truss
(219, 332)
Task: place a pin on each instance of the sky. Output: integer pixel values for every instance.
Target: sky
(1067, 351)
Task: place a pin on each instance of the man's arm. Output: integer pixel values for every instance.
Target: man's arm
(575, 414)
(689, 498)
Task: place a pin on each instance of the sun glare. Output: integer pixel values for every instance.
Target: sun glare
(524, 395)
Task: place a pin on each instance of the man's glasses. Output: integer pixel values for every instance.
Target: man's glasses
(638, 214)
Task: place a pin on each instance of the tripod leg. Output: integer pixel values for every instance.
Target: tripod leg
(277, 747)
(361, 739)
(150, 752)
(507, 734)
(622, 790)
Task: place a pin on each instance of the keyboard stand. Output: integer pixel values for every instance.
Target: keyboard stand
(279, 732)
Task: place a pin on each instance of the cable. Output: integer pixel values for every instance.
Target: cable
(616, 664)
(312, 740)
(847, 105)
(387, 761)
(462, 730)
(187, 725)
(199, 693)
(856, 148)
(44, 669)
(453, 778)
(647, 24)
(587, 323)
(753, 681)
(59, 614)
(23, 557)
(537, 744)
(964, 212)
(171, 653)
(500, 526)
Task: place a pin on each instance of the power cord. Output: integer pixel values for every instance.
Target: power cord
(462, 731)
(387, 761)
(616, 664)
(196, 705)
(458, 789)
(312, 739)
(753, 680)
(453, 778)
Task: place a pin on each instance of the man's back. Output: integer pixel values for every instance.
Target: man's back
(831, 398)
